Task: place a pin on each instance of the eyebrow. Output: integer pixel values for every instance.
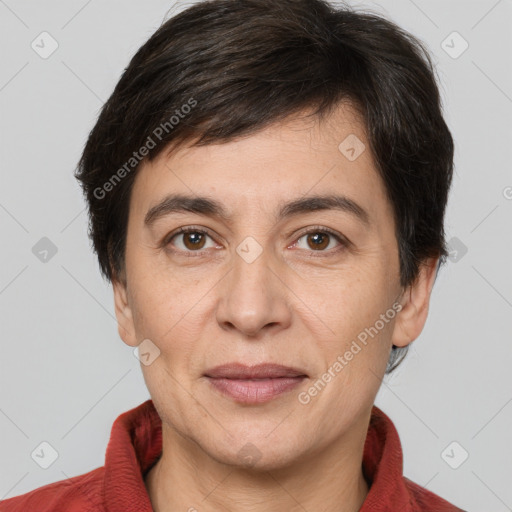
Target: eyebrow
(178, 203)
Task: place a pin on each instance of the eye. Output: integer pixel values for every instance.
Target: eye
(317, 239)
(190, 240)
(320, 239)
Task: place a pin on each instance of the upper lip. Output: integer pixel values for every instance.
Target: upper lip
(259, 371)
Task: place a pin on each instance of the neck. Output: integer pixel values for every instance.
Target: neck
(186, 478)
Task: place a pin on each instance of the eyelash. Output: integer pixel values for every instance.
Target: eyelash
(314, 229)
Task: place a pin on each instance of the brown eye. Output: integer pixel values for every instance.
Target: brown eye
(190, 241)
(193, 240)
(318, 241)
(321, 240)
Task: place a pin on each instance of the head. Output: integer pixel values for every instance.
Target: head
(303, 148)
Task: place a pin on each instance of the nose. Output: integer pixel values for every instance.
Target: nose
(254, 297)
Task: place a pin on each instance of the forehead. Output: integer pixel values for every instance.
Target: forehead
(297, 157)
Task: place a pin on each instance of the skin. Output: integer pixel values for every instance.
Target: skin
(295, 305)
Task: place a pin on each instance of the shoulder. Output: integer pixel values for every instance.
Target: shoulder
(81, 493)
(424, 500)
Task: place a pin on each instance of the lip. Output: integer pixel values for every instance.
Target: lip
(254, 384)
(258, 371)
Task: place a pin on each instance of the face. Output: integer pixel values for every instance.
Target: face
(255, 279)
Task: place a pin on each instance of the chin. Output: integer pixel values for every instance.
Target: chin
(258, 456)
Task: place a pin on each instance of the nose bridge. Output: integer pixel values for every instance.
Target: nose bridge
(252, 296)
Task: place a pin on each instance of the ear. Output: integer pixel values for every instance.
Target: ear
(124, 314)
(415, 302)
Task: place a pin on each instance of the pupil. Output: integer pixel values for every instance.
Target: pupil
(193, 240)
(319, 240)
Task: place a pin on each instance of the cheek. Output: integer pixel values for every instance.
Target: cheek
(172, 312)
(165, 298)
(353, 362)
(351, 299)
(351, 337)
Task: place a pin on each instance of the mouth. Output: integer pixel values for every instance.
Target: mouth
(254, 384)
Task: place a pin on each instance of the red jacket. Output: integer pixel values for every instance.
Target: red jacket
(136, 443)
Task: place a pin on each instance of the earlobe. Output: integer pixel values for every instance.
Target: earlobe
(124, 314)
(415, 305)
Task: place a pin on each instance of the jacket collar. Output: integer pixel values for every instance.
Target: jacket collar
(136, 444)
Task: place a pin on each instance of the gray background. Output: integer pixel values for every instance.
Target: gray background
(65, 375)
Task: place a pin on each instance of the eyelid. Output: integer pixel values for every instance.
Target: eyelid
(188, 228)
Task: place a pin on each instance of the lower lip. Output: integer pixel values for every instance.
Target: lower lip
(255, 391)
